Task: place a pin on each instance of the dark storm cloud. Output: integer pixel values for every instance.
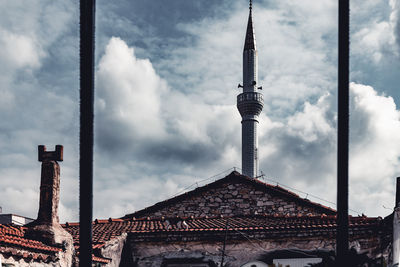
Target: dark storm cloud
(163, 16)
(153, 26)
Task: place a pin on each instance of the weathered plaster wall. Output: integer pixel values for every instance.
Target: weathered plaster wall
(233, 199)
(237, 253)
(113, 250)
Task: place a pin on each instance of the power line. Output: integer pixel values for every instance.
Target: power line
(206, 179)
(302, 192)
(266, 179)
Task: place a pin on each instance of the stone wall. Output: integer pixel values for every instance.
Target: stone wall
(234, 199)
(113, 250)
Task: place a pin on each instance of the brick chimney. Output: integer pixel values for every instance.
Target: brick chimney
(46, 227)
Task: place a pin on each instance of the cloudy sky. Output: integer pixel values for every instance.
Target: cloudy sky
(166, 86)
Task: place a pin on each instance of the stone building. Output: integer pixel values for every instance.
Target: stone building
(234, 221)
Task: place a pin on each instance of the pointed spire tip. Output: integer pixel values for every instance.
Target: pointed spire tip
(250, 41)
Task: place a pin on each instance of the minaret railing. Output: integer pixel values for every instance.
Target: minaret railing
(250, 96)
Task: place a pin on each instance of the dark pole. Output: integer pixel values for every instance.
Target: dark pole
(342, 239)
(397, 192)
(223, 248)
(87, 20)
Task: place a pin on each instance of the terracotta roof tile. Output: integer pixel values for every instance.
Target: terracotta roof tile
(105, 230)
(100, 259)
(12, 239)
(13, 236)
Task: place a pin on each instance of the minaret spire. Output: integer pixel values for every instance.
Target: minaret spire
(250, 102)
(250, 41)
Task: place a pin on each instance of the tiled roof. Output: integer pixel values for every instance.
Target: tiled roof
(269, 225)
(13, 243)
(14, 236)
(94, 258)
(16, 253)
(103, 231)
(100, 259)
(234, 177)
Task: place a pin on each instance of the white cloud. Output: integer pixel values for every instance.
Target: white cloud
(134, 103)
(375, 147)
(311, 123)
(19, 51)
(301, 152)
(28, 32)
(377, 37)
(129, 94)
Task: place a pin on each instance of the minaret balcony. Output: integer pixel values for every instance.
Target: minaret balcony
(250, 103)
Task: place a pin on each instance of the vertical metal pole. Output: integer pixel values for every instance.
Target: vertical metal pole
(87, 26)
(224, 246)
(342, 239)
(397, 193)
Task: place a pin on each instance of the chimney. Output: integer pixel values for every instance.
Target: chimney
(46, 227)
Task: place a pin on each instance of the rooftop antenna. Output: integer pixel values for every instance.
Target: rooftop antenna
(250, 5)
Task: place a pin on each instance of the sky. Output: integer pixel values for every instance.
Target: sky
(166, 85)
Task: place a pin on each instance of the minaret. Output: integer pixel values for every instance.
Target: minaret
(250, 103)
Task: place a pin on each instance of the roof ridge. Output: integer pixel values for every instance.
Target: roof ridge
(233, 175)
(260, 215)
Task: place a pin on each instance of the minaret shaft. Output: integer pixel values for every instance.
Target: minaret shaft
(250, 103)
(250, 70)
(249, 147)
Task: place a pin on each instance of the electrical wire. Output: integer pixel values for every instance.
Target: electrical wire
(302, 192)
(265, 178)
(204, 180)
